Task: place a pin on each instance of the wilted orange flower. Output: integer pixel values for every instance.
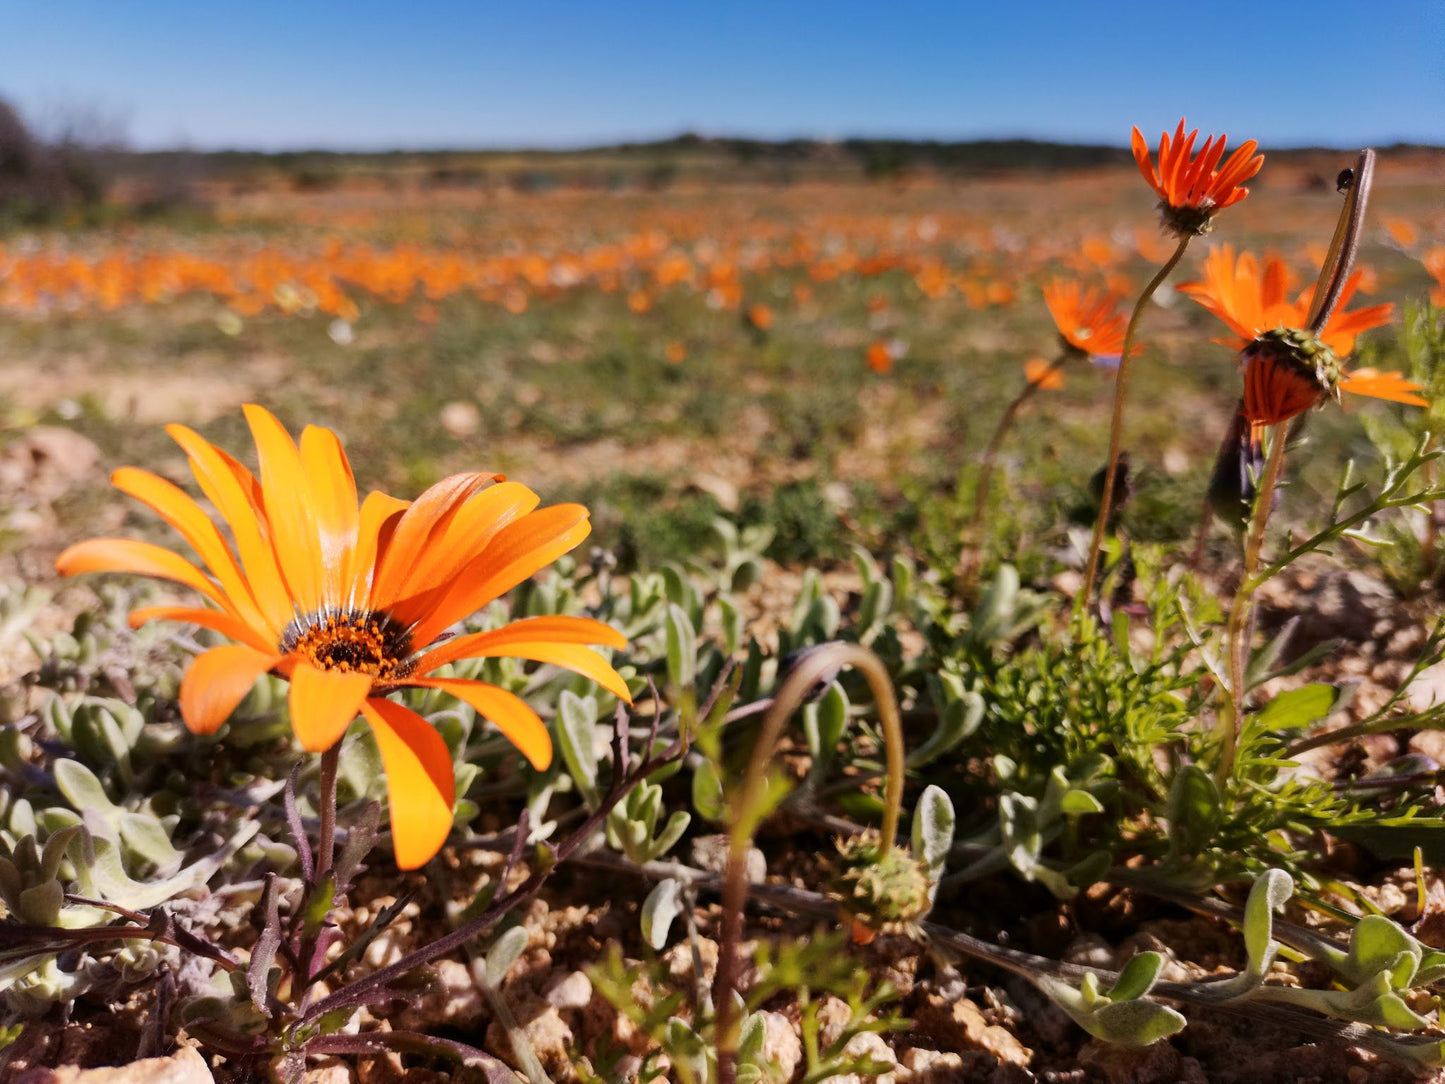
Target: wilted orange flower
(1252, 299)
(1191, 189)
(348, 603)
(1046, 376)
(1088, 320)
(1287, 370)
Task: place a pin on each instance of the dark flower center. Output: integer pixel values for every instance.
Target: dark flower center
(353, 641)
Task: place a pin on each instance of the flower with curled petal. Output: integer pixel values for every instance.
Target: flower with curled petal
(351, 602)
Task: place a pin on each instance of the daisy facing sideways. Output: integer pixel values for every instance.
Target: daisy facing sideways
(350, 602)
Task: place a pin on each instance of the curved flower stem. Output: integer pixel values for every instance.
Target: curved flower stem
(990, 453)
(1236, 636)
(326, 837)
(1116, 424)
(819, 664)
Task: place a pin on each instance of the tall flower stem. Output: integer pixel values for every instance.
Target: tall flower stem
(748, 807)
(326, 841)
(1236, 630)
(1116, 424)
(1005, 423)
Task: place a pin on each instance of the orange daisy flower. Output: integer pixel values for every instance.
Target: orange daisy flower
(348, 603)
(1088, 320)
(1194, 188)
(1286, 370)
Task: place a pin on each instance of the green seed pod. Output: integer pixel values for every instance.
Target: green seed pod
(879, 891)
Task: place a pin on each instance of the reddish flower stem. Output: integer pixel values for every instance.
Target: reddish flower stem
(1116, 424)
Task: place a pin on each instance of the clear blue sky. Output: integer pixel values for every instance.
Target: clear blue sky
(267, 74)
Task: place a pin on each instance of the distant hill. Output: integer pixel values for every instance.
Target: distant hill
(656, 164)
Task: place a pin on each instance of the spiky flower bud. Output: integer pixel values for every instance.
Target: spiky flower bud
(879, 891)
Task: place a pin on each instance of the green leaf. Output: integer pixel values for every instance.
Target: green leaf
(681, 649)
(661, 906)
(1137, 977)
(576, 730)
(1298, 708)
(504, 952)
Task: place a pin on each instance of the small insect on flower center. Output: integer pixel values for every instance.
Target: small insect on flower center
(352, 642)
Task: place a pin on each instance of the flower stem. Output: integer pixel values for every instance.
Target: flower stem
(1116, 424)
(326, 834)
(1236, 637)
(821, 663)
(990, 453)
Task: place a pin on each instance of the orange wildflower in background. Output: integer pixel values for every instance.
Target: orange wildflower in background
(1045, 375)
(1191, 189)
(348, 603)
(1434, 262)
(1088, 320)
(760, 316)
(879, 358)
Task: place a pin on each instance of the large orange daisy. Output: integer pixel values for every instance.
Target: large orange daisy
(1193, 188)
(1253, 299)
(350, 603)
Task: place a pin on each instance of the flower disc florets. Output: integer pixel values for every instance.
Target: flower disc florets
(363, 642)
(880, 891)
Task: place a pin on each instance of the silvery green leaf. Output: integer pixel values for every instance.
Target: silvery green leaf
(687, 1051)
(957, 720)
(143, 836)
(658, 911)
(676, 826)
(504, 952)
(1137, 977)
(681, 649)
(707, 792)
(932, 831)
(39, 905)
(576, 737)
(1375, 945)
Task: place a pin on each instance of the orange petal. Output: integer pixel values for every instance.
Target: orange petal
(579, 660)
(427, 514)
(294, 532)
(235, 493)
(323, 703)
(1391, 386)
(214, 620)
(139, 558)
(420, 780)
(379, 516)
(217, 681)
(333, 502)
(560, 630)
(457, 542)
(518, 550)
(172, 504)
(508, 712)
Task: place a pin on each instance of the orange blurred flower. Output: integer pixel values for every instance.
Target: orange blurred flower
(760, 316)
(676, 352)
(1191, 189)
(880, 358)
(1434, 262)
(1088, 320)
(1046, 375)
(348, 603)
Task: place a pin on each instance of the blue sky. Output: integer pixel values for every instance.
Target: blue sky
(365, 75)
